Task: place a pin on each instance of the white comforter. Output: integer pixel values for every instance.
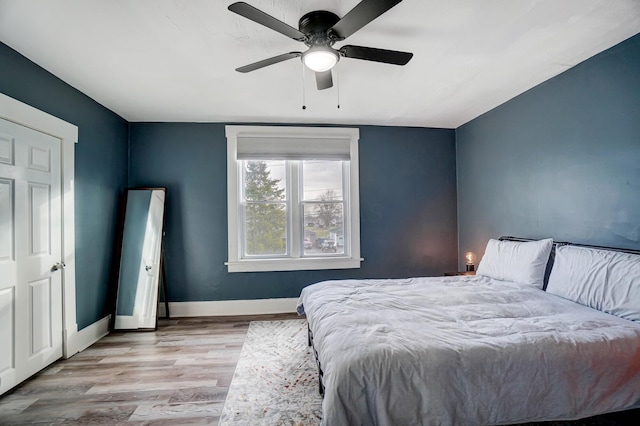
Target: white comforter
(466, 351)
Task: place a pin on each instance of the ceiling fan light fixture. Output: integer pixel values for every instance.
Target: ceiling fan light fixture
(320, 58)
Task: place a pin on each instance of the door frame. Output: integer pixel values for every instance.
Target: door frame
(28, 116)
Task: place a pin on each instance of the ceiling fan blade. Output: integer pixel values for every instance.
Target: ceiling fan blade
(324, 80)
(269, 61)
(377, 55)
(364, 12)
(256, 15)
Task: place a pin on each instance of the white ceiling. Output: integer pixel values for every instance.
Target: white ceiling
(175, 60)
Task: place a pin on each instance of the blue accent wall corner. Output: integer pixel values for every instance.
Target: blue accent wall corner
(562, 160)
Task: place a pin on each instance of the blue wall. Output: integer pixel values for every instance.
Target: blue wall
(407, 197)
(100, 172)
(561, 160)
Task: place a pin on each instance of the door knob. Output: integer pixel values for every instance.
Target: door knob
(57, 266)
(147, 268)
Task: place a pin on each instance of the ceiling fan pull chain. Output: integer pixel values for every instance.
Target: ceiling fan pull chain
(303, 101)
(338, 83)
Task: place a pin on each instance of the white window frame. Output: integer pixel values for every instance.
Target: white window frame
(297, 261)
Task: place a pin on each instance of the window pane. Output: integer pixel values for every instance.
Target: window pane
(264, 180)
(322, 180)
(265, 229)
(323, 228)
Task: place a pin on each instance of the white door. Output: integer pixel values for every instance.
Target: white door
(30, 252)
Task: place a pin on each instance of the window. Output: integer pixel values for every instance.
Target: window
(292, 197)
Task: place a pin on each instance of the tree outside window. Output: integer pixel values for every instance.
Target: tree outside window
(265, 209)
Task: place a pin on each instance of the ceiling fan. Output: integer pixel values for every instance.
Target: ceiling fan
(319, 30)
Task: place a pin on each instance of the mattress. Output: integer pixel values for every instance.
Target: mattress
(466, 350)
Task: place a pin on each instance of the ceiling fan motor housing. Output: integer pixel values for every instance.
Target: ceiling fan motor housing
(315, 25)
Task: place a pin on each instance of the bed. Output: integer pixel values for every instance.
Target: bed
(494, 348)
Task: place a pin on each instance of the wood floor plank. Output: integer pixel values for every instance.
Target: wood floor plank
(147, 412)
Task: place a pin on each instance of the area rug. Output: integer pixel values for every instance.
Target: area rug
(276, 380)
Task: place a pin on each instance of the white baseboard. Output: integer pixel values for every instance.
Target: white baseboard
(229, 307)
(68, 340)
(86, 337)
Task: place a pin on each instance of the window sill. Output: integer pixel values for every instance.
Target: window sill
(298, 264)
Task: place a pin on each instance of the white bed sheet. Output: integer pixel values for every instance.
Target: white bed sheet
(466, 350)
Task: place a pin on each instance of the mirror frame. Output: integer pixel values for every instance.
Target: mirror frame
(158, 276)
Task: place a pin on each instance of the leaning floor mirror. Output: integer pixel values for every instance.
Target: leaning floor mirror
(141, 260)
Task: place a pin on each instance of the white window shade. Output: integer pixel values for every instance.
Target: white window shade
(292, 143)
(293, 149)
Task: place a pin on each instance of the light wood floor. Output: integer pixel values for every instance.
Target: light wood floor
(179, 374)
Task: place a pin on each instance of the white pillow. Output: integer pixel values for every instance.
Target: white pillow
(521, 262)
(604, 280)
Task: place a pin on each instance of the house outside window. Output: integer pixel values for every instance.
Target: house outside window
(293, 199)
